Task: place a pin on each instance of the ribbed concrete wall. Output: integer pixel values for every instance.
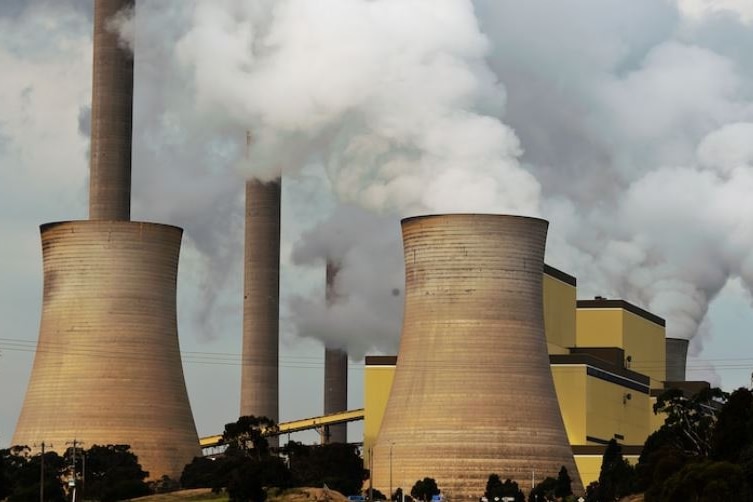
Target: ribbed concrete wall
(111, 117)
(473, 392)
(107, 368)
(677, 355)
(261, 301)
(335, 370)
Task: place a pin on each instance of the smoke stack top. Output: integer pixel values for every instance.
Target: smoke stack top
(111, 115)
(677, 355)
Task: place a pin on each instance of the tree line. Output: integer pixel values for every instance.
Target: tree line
(703, 452)
(107, 473)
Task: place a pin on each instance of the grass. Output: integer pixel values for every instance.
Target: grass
(196, 494)
(291, 495)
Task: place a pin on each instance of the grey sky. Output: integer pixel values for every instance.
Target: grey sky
(627, 125)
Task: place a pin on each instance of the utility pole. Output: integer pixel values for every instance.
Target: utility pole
(72, 482)
(41, 472)
(533, 479)
(391, 470)
(371, 475)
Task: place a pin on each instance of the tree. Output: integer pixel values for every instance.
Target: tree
(733, 432)
(246, 436)
(113, 473)
(398, 495)
(690, 421)
(616, 476)
(543, 491)
(165, 484)
(5, 475)
(204, 472)
(493, 487)
(708, 481)
(424, 489)
(377, 495)
(11, 462)
(655, 468)
(592, 492)
(246, 483)
(338, 465)
(510, 489)
(564, 484)
(24, 472)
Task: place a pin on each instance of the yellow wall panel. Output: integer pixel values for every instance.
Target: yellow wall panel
(570, 385)
(599, 327)
(613, 409)
(559, 314)
(645, 344)
(589, 466)
(377, 385)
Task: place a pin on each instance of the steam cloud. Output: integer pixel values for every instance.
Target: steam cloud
(629, 127)
(635, 121)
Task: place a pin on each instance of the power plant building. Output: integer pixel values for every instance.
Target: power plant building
(608, 364)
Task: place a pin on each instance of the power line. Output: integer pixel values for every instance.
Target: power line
(94, 349)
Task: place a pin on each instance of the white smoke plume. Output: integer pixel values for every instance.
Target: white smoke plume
(367, 312)
(627, 126)
(401, 112)
(402, 116)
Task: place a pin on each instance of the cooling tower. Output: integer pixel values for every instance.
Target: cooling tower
(107, 368)
(677, 354)
(473, 393)
(335, 372)
(111, 117)
(261, 305)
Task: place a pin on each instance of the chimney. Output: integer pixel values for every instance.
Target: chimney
(335, 372)
(261, 301)
(677, 355)
(472, 351)
(111, 117)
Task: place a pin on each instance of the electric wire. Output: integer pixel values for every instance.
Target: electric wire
(96, 349)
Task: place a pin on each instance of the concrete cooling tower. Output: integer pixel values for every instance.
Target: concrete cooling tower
(107, 368)
(473, 392)
(261, 302)
(335, 373)
(677, 355)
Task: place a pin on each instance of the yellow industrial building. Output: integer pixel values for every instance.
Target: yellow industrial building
(608, 363)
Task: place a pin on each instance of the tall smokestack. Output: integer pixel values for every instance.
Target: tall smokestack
(472, 352)
(335, 371)
(107, 369)
(111, 116)
(677, 355)
(261, 301)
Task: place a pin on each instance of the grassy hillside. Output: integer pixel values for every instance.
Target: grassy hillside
(292, 495)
